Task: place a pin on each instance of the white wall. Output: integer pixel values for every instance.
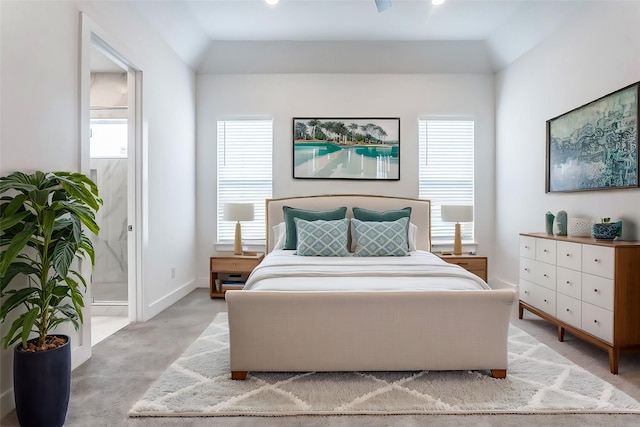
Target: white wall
(40, 125)
(284, 96)
(595, 54)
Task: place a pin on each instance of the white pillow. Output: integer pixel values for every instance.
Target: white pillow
(413, 232)
(279, 235)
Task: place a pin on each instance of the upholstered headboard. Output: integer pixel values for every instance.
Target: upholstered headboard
(420, 211)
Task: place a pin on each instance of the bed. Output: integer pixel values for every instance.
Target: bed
(391, 321)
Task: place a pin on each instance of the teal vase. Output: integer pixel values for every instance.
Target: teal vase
(549, 217)
(561, 223)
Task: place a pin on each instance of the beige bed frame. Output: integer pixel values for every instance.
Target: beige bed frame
(367, 331)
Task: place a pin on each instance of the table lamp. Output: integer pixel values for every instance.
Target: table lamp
(238, 212)
(457, 214)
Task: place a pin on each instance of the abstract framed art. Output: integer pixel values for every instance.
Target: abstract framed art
(346, 148)
(595, 146)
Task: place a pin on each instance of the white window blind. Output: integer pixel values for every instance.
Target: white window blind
(446, 171)
(244, 173)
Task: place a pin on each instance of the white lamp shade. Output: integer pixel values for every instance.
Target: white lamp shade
(238, 212)
(457, 213)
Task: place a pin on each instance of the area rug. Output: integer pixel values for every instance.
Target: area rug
(539, 381)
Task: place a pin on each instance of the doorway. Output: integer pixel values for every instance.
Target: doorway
(110, 153)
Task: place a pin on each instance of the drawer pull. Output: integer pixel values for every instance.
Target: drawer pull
(526, 292)
(526, 247)
(568, 254)
(546, 300)
(463, 263)
(526, 269)
(595, 321)
(568, 283)
(595, 290)
(568, 311)
(545, 251)
(545, 275)
(596, 260)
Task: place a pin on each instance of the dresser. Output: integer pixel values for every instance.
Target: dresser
(588, 287)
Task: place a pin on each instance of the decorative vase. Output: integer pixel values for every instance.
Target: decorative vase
(607, 230)
(549, 217)
(42, 383)
(561, 223)
(579, 227)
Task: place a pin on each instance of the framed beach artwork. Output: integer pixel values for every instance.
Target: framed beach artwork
(346, 148)
(595, 146)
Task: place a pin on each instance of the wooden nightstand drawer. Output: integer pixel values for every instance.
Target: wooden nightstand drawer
(473, 263)
(233, 265)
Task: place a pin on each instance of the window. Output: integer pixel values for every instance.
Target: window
(244, 173)
(108, 138)
(446, 171)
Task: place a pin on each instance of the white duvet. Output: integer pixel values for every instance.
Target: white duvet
(281, 270)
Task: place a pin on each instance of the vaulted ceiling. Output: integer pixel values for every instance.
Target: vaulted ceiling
(413, 36)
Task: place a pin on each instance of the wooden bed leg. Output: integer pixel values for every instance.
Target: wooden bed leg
(499, 373)
(560, 333)
(239, 375)
(520, 311)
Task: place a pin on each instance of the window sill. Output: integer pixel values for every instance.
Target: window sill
(253, 246)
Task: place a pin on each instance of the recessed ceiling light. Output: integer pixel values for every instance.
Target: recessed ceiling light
(271, 2)
(437, 2)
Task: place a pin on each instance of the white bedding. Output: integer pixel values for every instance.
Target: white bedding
(281, 270)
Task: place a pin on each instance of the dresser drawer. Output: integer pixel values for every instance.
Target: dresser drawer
(569, 255)
(539, 297)
(546, 251)
(527, 269)
(597, 290)
(569, 282)
(231, 265)
(545, 275)
(597, 321)
(528, 247)
(569, 310)
(598, 260)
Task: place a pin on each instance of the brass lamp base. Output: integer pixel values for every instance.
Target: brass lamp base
(237, 242)
(457, 241)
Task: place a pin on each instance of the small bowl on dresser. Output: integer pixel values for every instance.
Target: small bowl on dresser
(606, 231)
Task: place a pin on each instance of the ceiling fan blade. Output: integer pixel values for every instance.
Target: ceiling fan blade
(383, 5)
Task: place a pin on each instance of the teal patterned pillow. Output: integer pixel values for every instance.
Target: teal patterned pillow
(387, 238)
(290, 214)
(322, 238)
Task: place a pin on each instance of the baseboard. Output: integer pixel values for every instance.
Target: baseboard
(202, 282)
(167, 301)
(7, 403)
(502, 284)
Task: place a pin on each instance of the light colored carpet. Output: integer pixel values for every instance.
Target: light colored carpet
(538, 381)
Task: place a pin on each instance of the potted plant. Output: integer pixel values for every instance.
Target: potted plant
(41, 233)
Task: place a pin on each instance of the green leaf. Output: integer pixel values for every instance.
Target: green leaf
(12, 336)
(18, 297)
(27, 324)
(9, 220)
(63, 256)
(14, 205)
(17, 267)
(15, 247)
(87, 246)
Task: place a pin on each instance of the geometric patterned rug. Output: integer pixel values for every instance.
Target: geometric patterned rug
(539, 381)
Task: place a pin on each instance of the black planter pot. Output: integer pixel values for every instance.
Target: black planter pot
(42, 383)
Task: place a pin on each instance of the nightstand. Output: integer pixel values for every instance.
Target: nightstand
(230, 264)
(475, 264)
